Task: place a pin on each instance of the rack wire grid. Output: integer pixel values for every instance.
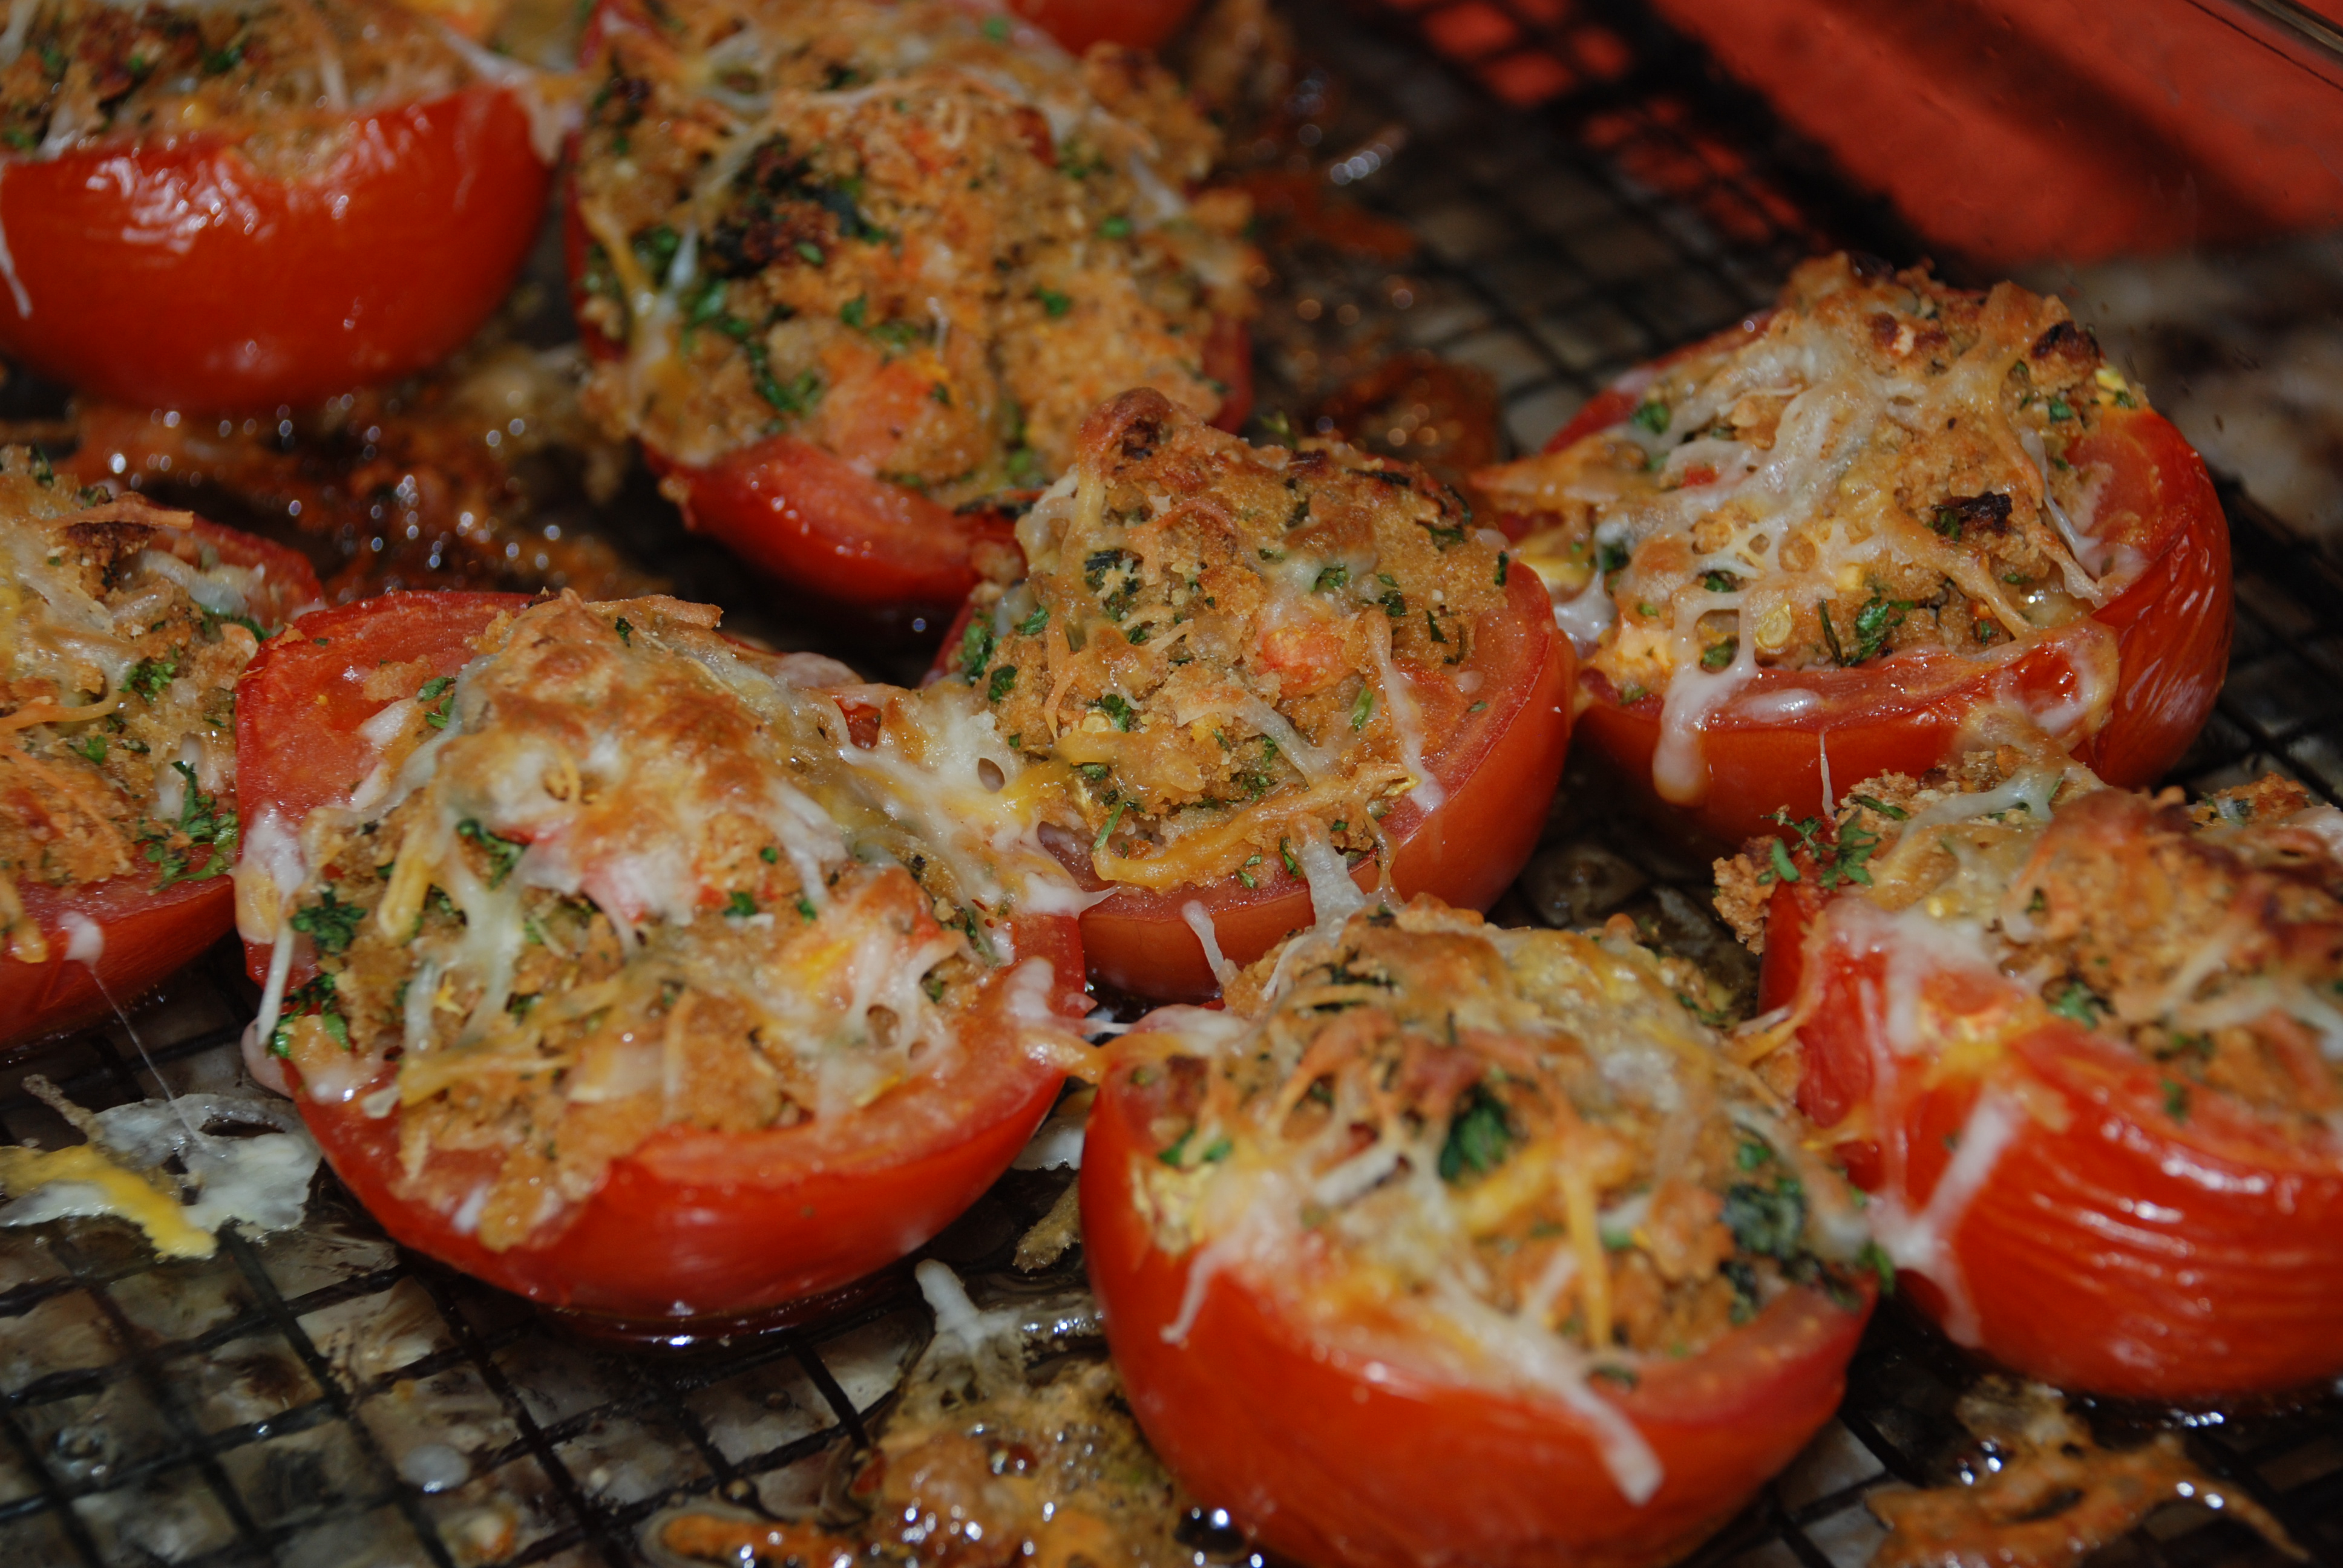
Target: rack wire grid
(1589, 191)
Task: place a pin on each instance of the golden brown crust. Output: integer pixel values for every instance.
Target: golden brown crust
(932, 262)
(1909, 511)
(281, 77)
(1601, 1168)
(1204, 651)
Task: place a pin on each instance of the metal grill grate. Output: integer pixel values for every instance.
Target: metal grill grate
(319, 1397)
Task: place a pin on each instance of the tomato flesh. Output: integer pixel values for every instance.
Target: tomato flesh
(2168, 630)
(1498, 770)
(2112, 1248)
(693, 1223)
(1333, 1458)
(175, 273)
(142, 932)
(1132, 23)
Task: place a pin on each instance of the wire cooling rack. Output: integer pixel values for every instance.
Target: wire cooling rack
(1589, 192)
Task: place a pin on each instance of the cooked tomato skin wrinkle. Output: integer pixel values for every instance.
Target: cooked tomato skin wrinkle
(256, 291)
(146, 933)
(1134, 23)
(1499, 772)
(1901, 715)
(1337, 1467)
(2122, 1253)
(693, 1223)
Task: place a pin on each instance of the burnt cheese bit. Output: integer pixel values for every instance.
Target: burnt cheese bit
(888, 231)
(616, 896)
(281, 77)
(1535, 1122)
(1220, 651)
(1881, 466)
(2206, 940)
(118, 715)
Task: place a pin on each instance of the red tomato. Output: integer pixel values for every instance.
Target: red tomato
(1134, 23)
(1499, 767)
(693, 1223)
(1342, 1461)
(174, 273)
(2170, 632)
(2111, 1247)
(143, 932)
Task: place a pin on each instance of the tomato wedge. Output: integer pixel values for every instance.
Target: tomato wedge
(2126, 1239)
(693, 1223)
(1333, 1456)
(133, 934)
(176, 272)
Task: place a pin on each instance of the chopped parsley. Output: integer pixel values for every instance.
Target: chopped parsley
(148, 677)
(1003, 682)
(1478, 1136)
(503, 853)
(329, 923)
(1056, 305)
(1651, 414)
(203, 823)
(739, 906)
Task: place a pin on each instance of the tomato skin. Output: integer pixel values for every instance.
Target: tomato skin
(145, 932)
(2113, 1248)
(175, 273)
(811, 518)
(1341, 1462)
(2169, 631)
(694, 1224)
(1132, 23)
(1500, 773)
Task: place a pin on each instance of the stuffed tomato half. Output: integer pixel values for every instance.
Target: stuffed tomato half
(1818, 545)
(1448, 1243)
(1250, 676)
(241, 205)
(2083, 1048)
(602, 966)
(857, 271)
(127, 629)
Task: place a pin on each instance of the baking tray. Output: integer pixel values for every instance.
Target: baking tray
(320, 1399)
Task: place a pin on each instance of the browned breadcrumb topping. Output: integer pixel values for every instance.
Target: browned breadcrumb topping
(592, 918)
(282, 78)
(924, 241)
(1558, 1132)
(2210, 939)
(1882, 467)
(116, 697)
(1218, 644)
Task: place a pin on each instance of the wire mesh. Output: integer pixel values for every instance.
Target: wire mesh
(1588, 192)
